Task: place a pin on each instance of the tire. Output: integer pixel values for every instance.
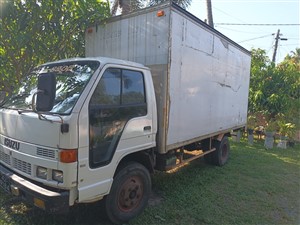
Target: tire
(129, 193)
(221, 155)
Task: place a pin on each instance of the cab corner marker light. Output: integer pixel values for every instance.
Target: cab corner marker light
(160, 13)
(68, 155)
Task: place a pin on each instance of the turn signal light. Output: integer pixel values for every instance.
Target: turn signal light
(160, 13)
(68, 155)
(39, 203)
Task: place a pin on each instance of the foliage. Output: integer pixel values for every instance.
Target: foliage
(34, 32)
(272, 126)
(183, 3)
(294, 58)
(130, 5)
(275, 89)
(286, 127)
(251, 122)
(126, 6)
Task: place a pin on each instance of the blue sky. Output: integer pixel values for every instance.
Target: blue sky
(255, 12)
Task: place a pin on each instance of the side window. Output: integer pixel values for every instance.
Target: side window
(118, 97)
(108, 91)
(133, 87)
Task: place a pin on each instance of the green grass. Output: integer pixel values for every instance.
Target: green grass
(257, 186)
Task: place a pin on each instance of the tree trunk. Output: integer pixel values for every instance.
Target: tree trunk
(209, 13)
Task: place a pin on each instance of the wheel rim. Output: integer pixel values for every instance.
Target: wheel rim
(130, 194)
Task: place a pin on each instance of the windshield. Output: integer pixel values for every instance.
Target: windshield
(71, 78)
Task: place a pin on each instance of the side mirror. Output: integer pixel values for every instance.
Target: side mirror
(46, 92)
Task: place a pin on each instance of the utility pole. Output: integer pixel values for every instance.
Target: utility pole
(277, 38)
(209, 13)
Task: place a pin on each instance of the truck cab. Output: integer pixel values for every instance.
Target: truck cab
(71, 125)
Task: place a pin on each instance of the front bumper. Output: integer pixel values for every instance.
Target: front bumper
(51, 201)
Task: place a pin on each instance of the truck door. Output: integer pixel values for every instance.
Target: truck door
(119, 123)
(118, 98)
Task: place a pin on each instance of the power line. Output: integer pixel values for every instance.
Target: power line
(232, 17)
(227, 14)
(239, 31)
(255, 38)
(290, 44)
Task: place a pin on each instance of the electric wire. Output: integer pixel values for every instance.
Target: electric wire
(255, 38)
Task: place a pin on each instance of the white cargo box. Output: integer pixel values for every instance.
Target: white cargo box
(201, 77)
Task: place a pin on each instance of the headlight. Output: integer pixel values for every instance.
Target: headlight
(41, 172)
(58, 175)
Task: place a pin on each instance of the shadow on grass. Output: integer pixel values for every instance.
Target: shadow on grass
(17, 212)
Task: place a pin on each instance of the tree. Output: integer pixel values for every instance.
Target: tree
(126, 6)
(130, 5)
(294, 57)
(275, 90)
(209, 13)
(260, 71)
(34, 32)
(289, 70)
(183, 3)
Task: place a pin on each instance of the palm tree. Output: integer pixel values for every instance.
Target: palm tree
(130, 5)
(294, 56)
(126, 6)
(209, 13)
(183, 3)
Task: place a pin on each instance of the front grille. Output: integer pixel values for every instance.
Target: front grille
(45, 152)
(4, 157)
(25, 167)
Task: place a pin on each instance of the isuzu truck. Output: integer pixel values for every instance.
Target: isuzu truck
(168, 90)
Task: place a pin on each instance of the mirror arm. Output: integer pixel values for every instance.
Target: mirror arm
(43, 117)
(33, 100)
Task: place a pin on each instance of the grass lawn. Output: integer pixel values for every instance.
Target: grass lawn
(257, 186)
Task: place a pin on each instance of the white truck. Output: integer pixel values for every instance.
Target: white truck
(85, 129)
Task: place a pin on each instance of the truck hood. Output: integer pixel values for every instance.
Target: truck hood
(28, 128)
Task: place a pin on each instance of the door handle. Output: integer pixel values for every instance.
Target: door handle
(147, 128)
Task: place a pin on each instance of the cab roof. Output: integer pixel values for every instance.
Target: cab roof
(103, 61)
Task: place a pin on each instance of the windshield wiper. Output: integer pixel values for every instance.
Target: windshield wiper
(20, 96)
(20, 111)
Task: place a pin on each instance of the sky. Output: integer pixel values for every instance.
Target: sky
(273, 12)
(278, 13)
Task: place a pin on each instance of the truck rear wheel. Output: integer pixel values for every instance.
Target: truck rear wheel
(129, 193)
(221, 155)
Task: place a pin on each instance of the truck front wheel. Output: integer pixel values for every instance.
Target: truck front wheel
(129, 193)
(221, 155)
